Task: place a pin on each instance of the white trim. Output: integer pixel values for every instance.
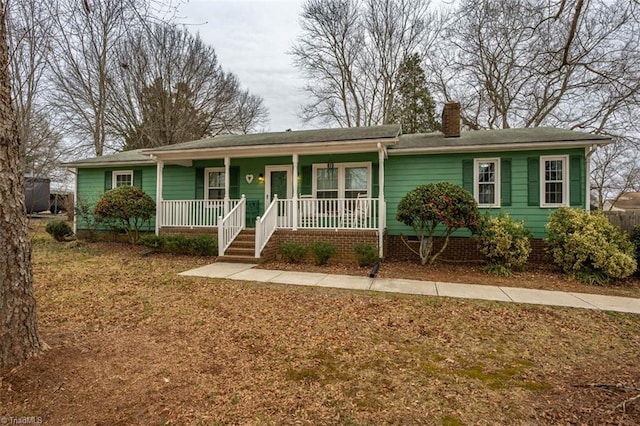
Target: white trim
(565, 180)
(116, 173)
(476, 183)
(335, 147)
(267, 182)
(159, 175)
(340, 169)
(75, 201)
(206, 182)
(532, 146)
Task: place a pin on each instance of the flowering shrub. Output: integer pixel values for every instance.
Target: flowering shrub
(128, 207)
(505, 243)
(588, 247)
(428, 206)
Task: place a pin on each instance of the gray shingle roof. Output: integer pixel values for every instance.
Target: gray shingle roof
(496, 137)
(125, 158)
(389, 131)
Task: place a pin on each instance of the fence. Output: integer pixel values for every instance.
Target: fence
(626, 220)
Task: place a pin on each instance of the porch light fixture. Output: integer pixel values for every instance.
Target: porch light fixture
(330, 165)
(261, 178)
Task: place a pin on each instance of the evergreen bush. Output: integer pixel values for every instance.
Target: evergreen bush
(322, 251)
(588, 247)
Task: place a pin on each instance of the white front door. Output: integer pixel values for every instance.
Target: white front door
(278, 180)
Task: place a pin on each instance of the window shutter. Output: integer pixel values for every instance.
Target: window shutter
(375, 181)
(234, 182)
(199, 183)
(306, 187)
(467, 175)
(108, 176)
(576, 182)
(137, 178)
(505, 181)
(533, 180)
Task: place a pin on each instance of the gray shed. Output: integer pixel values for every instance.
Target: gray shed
(37, 193)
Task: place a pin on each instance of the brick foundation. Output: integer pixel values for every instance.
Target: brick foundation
(342, 239)
(187, 232)
(461, 249)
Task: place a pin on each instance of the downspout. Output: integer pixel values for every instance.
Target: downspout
(588, 151)
(382, 214)
(294, 212)
(159, 174)
(75, 201)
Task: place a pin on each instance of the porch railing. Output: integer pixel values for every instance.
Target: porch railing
(266, 225)
(330, 213)
(231, 225)
(194, 213)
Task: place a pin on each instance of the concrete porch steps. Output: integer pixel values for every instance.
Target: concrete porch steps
(242, 249)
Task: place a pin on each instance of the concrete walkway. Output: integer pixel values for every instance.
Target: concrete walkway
(249, 272)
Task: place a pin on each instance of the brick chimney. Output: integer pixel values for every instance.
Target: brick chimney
(451, 119)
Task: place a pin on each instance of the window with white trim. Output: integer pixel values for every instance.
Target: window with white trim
(344, 180)
(122, 178)
(486, 182)
(214, 183)
(554, 181)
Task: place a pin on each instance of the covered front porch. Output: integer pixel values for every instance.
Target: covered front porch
(306, 190)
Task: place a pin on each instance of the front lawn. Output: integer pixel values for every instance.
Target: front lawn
(132, 342)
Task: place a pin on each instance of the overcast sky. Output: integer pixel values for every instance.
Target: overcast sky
(251, 38)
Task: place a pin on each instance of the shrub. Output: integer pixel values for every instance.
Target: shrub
(177, 244)
(505, 243)
(85, 218)
(366, 254)
(128, 207)
(635, 240)
(322, 251)
(152, 241)
(588, 247)
(437, 204)
(58, 229)
(200, 245)
(293, 252)
(203, 245)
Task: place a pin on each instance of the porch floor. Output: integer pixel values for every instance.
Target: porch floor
(249, 272)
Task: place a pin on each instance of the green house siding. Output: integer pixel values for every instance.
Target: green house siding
(404, 173)
(519, 180)
(91, 184)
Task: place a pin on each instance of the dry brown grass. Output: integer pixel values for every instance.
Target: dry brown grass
(132, 342)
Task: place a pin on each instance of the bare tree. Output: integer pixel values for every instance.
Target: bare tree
(87, 34)
(28, 31)
(19, 338)
(170, 88)
(615, 170)
(351, 52)
(530, 63)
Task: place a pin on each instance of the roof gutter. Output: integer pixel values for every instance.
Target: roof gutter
(80, 165)
(496, 147)
(334, 147)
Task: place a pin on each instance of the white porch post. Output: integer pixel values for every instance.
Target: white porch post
(227, 163)
(382, 214)
(159, 173)
(295, 192)
(75, 199)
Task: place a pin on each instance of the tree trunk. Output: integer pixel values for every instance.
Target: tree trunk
(18, 326)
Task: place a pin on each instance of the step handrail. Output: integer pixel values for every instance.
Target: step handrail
(231, 225)
(266, 225)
